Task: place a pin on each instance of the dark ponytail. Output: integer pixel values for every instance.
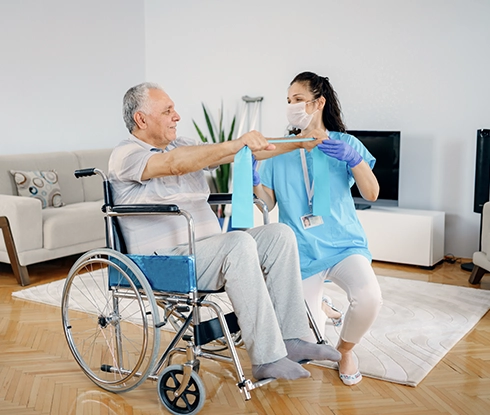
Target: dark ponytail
(320, 86)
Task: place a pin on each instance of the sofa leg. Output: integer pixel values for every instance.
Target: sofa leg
(20, 271)
(476, 275)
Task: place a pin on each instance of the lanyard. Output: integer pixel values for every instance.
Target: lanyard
(306, 178)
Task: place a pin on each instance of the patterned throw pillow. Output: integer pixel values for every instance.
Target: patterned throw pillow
(42, 185)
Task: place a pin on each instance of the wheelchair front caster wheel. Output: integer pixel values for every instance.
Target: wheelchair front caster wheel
(190, 401)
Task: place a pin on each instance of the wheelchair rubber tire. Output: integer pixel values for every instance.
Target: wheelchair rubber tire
(191, 401)
(110, 326)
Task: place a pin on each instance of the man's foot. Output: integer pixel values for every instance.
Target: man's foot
(281, 369)
(299, 351)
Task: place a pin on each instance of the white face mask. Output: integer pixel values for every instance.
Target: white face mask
(297, 115)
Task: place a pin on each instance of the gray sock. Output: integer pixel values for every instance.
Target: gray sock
(299, 350)
(280, 369)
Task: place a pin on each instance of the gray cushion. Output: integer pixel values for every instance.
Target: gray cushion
(73, 224)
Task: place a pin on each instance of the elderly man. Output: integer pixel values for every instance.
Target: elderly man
(259, 268)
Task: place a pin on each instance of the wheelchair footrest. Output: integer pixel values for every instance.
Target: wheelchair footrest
(210, 330)
(262, 382)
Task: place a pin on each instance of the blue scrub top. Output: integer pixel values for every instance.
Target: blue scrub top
(341, 234)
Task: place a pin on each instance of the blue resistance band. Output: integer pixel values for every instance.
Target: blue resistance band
(242, 197)
(321, 178)
(291, 140)
(242, 203)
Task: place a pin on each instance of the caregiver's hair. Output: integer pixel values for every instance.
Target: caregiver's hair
(136, 99)
(320, 86)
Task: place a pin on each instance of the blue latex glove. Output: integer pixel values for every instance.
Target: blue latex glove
(341, 151)
(256, 176)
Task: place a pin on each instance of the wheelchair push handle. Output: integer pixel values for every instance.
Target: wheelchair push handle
(90, 172)
(85, 172)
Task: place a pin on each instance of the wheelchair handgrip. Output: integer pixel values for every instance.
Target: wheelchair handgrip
(219, 198)
(85, 172)
(146, 209)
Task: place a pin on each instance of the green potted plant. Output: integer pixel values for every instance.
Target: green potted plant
(217, 134)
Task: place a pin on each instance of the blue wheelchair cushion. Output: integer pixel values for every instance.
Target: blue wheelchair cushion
(164, 273)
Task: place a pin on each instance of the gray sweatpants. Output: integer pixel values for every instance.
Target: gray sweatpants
(260, 271)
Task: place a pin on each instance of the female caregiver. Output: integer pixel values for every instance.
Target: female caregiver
(333, 245)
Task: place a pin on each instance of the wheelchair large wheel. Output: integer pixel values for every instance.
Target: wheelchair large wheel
(109, 318)
(190, 401)
(177, 320)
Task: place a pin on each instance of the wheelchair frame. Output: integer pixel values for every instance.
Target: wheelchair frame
(117, 343)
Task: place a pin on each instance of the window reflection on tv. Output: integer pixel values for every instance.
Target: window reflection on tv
(385, 147)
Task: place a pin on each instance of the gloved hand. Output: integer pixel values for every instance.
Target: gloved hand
(341, 151)
(256, 176)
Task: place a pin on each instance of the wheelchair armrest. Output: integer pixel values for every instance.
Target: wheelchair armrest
(146, 208)
(225, 198)
(219, 198)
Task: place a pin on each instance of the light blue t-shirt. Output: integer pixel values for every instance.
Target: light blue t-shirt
(341, 233)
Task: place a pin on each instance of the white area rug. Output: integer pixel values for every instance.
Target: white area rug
(418, 324)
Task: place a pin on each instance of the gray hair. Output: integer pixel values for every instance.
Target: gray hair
(136, 99)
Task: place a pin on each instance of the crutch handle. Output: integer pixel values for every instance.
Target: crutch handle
(246, 98)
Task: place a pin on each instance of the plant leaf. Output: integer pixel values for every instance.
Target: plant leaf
(209, 123)
(203, 137)
(220, 128)
(220, 176)
(232, 128)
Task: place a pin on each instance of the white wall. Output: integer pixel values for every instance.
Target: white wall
(65, 66)
(421, 67)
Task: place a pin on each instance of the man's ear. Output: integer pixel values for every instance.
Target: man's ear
(140, 120)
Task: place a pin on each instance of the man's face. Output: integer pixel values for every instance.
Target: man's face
(161, 118)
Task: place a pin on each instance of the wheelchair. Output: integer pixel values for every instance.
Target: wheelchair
(114, 305)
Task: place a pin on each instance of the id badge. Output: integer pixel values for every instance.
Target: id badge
(310, 221)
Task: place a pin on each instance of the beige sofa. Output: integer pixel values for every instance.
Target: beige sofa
(481, 259)
(33, 234)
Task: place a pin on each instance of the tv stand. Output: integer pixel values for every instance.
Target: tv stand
(362, 206)
(405, 236)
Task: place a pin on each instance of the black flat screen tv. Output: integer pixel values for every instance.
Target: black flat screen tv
(385, 147)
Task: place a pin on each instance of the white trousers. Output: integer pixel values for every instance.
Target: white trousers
(356, 277)
(260, 271)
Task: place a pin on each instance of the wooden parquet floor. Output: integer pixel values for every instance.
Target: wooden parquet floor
(38, 375)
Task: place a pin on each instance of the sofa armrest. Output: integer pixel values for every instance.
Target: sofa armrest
(26, 221)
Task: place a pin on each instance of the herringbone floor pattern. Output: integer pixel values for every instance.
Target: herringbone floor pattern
(39, 376)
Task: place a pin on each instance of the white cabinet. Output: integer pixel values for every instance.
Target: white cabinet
(405, 236)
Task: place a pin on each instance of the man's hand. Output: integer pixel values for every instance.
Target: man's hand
(255, 141)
